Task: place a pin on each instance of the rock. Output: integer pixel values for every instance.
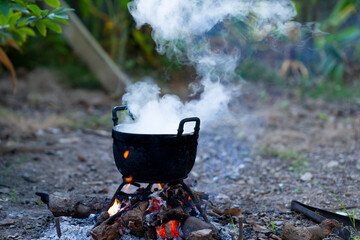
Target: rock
(306, 176)
(317, 232)
(8, 221)
(192, 224)
(333, 164)
(31, 179)
(261, 228)
(203, 234)
(358, 165)
(69, 140)
(4, 190)
(1, 207)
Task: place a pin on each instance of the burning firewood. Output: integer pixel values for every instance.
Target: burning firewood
(317, 232)
(107, 231)
(77, 206)
(133, 219)
(166, 214)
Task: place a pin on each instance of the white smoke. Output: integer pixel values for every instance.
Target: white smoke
(197, 32)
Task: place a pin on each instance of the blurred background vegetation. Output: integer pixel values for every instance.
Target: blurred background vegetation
(320, 58)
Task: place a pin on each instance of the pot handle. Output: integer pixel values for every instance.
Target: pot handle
(120, 108)
(193, 119)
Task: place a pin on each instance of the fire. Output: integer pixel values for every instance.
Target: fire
(161, 231)
(128, 179)
(174, 229)
(126, 154)
(169, 230)
(127, 186)
(114, 208)
(160, 186)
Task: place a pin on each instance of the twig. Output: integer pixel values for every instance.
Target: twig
(241, 228)
(58, 229)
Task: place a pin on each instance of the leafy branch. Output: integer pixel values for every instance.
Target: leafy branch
(19, 18)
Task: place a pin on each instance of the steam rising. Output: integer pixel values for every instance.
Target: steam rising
(197, 32)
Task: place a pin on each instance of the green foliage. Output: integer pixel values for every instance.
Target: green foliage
(14, 196)
(273, 227)
(338, 40)
(298, 161)
(18, 18)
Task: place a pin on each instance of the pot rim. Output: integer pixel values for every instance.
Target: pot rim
(151, 134)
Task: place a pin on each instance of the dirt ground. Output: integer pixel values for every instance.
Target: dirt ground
(56, 139)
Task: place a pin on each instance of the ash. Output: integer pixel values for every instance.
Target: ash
(73, 228)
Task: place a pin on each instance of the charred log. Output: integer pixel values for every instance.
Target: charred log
(77, 206)
(133, 219)
(107, 231)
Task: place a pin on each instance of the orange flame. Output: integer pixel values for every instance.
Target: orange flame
(127, 186)
(160, 186)
(126, 154)
(161, 231)
(128, 179)
(174, 229)
(166, 229)
(114, 208)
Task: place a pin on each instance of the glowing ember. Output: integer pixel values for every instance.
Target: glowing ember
(174, 229)
(161, 231)
(169, 230)
(160, 186)
(128, 179)
(114, 208)
(126, 154)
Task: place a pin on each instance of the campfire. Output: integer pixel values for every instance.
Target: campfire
(157, 211)
(164, 209)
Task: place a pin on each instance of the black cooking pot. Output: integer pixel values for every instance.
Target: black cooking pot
(155, 158)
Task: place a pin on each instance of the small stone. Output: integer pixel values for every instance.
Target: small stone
(27, 177)
(358, 165)
(1, 207)
(69, 140)
(8, 221)
(204, 234)
(4, 190)
(306, 176)
(333, 164)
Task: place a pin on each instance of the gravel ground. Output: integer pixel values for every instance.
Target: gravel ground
(266, 154)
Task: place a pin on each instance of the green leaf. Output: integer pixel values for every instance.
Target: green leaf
(20, 9)
(53, 3)
(14, 18)
(4, 8)
(41, 28)
(60, 20)
(62, 10)
(52, 25)
(44, 12)
(22, 22)
(35, 9)
(62, 16)
(27, 31)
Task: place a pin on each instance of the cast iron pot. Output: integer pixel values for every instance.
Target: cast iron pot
(155, 158)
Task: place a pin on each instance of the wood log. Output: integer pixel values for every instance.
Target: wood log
(133, 219)
(107, 231)
(165, 215)
(74, 205)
